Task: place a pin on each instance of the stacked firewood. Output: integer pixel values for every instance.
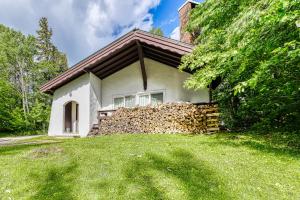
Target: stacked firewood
(164, 118)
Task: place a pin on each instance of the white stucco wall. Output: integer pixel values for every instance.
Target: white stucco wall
(160, 77)
(95, 98)
(85, 91)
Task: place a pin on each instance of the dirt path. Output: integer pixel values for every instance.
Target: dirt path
(11, 140)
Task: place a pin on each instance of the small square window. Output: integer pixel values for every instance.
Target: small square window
(144, 100)
(157, 98)
(129, 101)
(118, 102)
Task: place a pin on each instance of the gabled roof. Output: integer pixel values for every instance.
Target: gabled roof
(121, 53)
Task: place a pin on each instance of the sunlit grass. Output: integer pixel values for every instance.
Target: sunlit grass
(223, 166)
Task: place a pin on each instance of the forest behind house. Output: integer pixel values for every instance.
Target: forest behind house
(27, 62)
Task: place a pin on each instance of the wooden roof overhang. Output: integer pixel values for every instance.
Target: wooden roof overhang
(132, 47)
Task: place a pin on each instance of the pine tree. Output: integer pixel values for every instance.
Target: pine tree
(44, 45)
(51, 61)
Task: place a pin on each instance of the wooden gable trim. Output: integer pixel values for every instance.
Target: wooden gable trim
(142, 63)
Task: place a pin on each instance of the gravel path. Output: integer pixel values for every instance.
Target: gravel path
(10, 140)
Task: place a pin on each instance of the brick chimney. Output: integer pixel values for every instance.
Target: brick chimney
(184, 12)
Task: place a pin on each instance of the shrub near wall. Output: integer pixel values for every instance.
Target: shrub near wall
(164, 118)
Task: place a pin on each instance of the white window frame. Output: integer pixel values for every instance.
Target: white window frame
(156, 93)
(130, 95)
(116, 97)
(144, 94)
(123, 97)
(149, 94)
(137, 96)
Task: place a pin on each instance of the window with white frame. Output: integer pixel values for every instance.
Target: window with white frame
(118, 102)
(144, 100)
(157, 98)
(127, 101)
(151, 99)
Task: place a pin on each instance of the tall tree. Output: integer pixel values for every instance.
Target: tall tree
(51, 61)
(254, 46)
(44, 45)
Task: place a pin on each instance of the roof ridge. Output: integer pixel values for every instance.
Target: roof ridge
(167, 38)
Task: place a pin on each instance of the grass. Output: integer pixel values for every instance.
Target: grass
(223, 166)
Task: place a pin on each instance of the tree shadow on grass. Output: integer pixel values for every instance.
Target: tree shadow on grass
(198, 179)
(276, 144)
(58, 184)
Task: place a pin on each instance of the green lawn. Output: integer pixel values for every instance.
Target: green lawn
(223, 166)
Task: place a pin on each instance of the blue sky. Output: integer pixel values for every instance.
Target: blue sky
(165, 15)
(82, 27)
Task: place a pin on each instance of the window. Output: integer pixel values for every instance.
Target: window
(118, 102)
(153, 99)
(157, 98)
(144, 100)
(129, 101)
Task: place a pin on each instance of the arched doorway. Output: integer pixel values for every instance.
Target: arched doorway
(71, 117)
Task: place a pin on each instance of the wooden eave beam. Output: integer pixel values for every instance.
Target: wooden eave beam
(103, 75)
(162, 52)
(163, 61)
(114, 59)
(161, 57)
(142, 63)
(116, 64)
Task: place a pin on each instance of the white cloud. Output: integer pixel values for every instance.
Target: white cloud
(175, 33)
(80, 27)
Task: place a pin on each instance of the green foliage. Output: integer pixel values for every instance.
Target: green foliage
(27, 62)
(19, 121)
(254, 46)
(39, 116)
(9, 99)
(156, 31)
